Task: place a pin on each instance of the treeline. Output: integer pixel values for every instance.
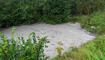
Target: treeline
(17, 12)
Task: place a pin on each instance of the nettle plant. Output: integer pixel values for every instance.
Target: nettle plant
(21, 49)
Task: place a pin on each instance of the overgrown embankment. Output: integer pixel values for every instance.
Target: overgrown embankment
(92, 50)
(18, 12)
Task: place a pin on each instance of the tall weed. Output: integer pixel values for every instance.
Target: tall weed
(31, 49)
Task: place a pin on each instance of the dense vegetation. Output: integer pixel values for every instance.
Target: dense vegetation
(94, 23)
(90, 13)
(17, 12)
(92, 50)
(21, 49)
(89, 6)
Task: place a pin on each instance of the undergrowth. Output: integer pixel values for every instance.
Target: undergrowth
(94, 49)
(19, 12)
(21, 49)
(94, 23)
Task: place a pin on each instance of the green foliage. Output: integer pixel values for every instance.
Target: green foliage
(56, 10)
(21, 49)
(93, 50)
(59, 50)
(89, 6)
(94, 23)
(17, 12)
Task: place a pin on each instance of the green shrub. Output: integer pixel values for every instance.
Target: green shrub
(17, 12)
(30, 49)
(89, 6)
(56, 10)
(94, 23)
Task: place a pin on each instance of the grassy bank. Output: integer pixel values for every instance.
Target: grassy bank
(94, 23)
(92, 50)
(19, 12)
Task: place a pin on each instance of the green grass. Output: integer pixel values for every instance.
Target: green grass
(92, 50)
(94, 23)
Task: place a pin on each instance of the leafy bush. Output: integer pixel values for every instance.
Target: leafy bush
(30, 49)
(16, 12)
(57, 11)
(89, 6)
(94, 23)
